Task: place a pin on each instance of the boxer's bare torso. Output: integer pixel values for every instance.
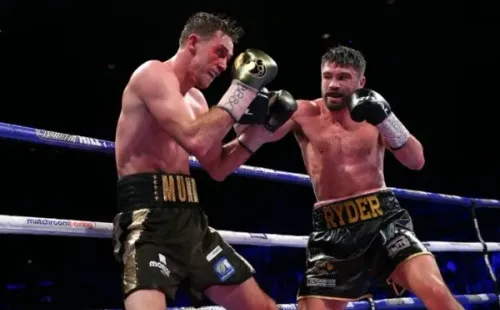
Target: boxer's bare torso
(342, 157)
(142, 145)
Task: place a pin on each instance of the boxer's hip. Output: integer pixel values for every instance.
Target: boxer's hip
(156, 190)
(160, 211)
(350, 225)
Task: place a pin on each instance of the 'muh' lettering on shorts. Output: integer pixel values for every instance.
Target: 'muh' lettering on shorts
(176, 188)
(351, 211)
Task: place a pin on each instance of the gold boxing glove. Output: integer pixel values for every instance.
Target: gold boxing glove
(254, 68)
(251, 71)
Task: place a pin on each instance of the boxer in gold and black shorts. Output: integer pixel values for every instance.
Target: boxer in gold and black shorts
(357, 243)
(161, 237)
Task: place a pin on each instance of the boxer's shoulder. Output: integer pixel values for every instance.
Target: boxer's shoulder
(307, 108)
(151, 69)
(154, 76)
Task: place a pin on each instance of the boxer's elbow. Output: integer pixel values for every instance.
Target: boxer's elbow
(216, 172)
(419, 158)
(416, 160)
(411, 154)
(212, 164)
(418, 163)
(218, 175)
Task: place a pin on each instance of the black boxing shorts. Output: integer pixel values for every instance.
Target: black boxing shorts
(161, 237)
(357, 243)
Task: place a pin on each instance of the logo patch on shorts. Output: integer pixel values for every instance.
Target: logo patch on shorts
(223, 269)
(162, 265)
(320, 282)
(397, 245)
(214, 253)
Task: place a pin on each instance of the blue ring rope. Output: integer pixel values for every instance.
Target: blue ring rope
(47, 137)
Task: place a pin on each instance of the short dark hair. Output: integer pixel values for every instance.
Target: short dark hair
(207, 24)
(345, 56)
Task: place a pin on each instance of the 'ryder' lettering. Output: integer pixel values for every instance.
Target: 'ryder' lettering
(352, 211)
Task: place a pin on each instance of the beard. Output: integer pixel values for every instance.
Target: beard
(335, 103)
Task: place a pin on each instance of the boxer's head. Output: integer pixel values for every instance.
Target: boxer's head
(342, 72)
(209, 40)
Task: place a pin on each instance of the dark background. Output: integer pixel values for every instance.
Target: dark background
(64, 65)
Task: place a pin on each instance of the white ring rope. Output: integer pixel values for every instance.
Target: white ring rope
(393, 303)
(10, 224)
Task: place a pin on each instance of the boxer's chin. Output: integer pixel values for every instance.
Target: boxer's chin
(203, 81)
(335, 104)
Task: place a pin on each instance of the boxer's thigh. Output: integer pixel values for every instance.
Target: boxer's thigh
(398, 245)
(317, 303)
(333, 274)
(146, 253)
(218, 265)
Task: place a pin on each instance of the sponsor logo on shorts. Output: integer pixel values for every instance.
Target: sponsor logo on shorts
(223, 269)
(318, 282)
(63, 223)
(397, 245)
(161, 264)
(214, 253)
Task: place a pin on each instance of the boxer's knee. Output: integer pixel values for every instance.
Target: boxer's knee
(146, 299)
(421, 275)
(268, 304)
(436, 295)
(321, 304)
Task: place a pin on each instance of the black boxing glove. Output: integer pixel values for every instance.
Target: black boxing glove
(368, 105)
(257, 110)
(282, 105)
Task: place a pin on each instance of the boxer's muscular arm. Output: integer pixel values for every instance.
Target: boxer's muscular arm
(233, 154)
(411, 154)
(293, 123)
(223, 161)
(160, 91)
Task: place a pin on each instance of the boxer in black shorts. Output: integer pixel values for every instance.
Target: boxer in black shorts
(161, 233)
(343, 137)
(162, 237)
(371, 236)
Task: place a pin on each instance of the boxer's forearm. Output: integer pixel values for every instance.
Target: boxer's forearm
(222, 161)
(411, 154)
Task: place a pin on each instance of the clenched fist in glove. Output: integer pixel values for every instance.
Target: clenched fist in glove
(368, 105)
(281, 106)
(251, 71)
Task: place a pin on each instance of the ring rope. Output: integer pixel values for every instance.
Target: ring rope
(47, 137)
(485, 252)
(10, 224)
(394, 303)
(26, 225)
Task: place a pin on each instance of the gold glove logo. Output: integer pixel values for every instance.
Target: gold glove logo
(259, 68)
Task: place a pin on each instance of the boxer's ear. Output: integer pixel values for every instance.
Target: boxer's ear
(192, 42)
(362, 81)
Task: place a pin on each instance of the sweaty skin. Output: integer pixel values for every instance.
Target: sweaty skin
(342, 157)
(142, 145)
(165, 117)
